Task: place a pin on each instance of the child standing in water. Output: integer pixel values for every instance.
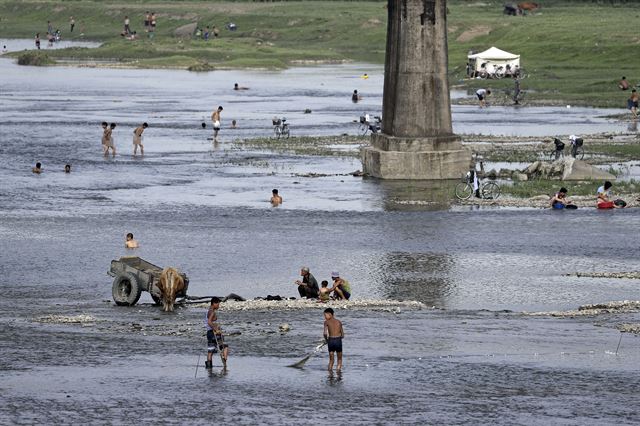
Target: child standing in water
(137, 139)
(333, 334)
(215, 339)
(109, 138)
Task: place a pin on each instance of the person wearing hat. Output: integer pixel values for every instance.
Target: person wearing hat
(341, 287)
(308, 287)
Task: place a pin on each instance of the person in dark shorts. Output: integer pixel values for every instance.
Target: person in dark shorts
(333, 334)
(482, 96)
(215, 339)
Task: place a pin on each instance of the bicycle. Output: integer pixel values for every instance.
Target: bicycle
(366, 125)
(280, 128)
(577, 149)
(486, 191)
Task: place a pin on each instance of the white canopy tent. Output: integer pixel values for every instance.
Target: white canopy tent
(492, 58)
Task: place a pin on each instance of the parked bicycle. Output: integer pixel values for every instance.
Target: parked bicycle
(366, 125)
(487, 191)
(280, 128)
(577, 149)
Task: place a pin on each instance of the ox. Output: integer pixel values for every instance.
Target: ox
(170, 284)
(527, 6)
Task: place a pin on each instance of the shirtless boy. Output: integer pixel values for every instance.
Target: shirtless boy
(215, 117)
(333, 334)
(137, 139)
(276, 199)
(130, 243)
(325, 292)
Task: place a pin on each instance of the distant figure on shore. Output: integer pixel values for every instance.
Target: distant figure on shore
(37, 40)
(516, 91)
(365, 76)
(72, 24)
(633, 103)
(147, 20)
(482, 96)
(215, 31)
(50, 39)
(276, 199)
(333, 334)
(355, 97)
(560, 201)
(49, 27)
(67, 168)
(137, 139)
(130, 243)
(215, 117)
(308, 287)
(234, 124)
(341, 287)
(205, 36)
(604, 198)
(127, 28)
(623, 84)
(236, 87)
(37, 169)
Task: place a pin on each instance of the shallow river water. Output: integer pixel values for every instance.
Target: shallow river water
(466, 355)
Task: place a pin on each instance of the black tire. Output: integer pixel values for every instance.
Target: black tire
(126, 290)
(490, 191)
(463, 191)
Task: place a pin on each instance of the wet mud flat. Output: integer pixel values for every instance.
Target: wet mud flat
(409, 366)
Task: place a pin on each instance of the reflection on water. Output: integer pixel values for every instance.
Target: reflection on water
(410, 195)
(425, 277)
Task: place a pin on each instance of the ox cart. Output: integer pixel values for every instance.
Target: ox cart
(133, 275)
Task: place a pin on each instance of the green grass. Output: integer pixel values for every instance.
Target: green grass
(575, 52)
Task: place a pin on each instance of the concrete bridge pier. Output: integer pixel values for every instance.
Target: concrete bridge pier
(417, 140)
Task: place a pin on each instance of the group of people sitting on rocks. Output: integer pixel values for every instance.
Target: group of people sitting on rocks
(603, 201)
(308, 287)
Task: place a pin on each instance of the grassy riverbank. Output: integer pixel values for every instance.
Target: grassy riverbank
(574, 53)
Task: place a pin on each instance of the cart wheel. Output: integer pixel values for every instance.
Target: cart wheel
(126, 290)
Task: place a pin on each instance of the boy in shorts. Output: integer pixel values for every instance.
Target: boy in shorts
(333, 334)
(215, 117)
(215, 339)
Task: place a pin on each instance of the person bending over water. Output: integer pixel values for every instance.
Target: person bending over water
(276, 199)
(37, 169)
(560, 201)
(130, 243)
(333, 334)
(604, 201)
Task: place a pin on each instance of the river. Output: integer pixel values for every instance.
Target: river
(468, 354)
